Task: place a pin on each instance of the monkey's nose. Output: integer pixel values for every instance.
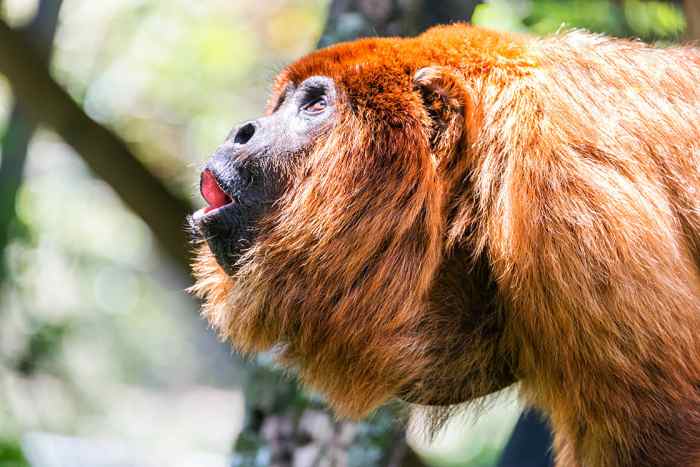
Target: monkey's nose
(244, 133)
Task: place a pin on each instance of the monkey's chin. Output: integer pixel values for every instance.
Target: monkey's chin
(225, 231)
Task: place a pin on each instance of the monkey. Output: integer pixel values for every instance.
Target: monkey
(432, 219)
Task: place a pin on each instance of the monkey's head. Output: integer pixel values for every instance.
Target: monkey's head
(337, 226)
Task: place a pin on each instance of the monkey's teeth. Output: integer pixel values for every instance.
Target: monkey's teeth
(199, 214)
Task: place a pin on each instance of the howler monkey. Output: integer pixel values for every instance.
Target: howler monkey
(434, 218)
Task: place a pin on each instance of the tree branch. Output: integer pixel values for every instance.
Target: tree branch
(20, 129)
(106, 154)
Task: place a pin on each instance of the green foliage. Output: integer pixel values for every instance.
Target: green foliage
(654, 19)
(11, 454)
(547, 16)
(501, 15)
(647, 20)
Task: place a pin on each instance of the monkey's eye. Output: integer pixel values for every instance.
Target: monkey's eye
(315, 106)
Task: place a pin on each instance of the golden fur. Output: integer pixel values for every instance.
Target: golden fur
(522, 209)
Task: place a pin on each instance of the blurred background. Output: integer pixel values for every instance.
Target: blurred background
(107, 110)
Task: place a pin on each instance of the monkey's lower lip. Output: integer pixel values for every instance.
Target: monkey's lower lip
(211, 212)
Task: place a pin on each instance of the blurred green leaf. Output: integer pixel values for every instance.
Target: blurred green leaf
(548, 16)
(655, 20)
(648, 20)
(11, 454)
(500, 15)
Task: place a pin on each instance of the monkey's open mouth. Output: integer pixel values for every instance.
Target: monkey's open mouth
(213, 194)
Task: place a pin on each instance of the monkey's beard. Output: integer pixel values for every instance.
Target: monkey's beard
(356, 365)
(357, 362)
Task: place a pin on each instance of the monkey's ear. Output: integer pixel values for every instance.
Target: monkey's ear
(440, 88)
(445, 97)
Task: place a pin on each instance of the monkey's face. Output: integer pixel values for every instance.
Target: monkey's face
(250, 171)
(325, 231)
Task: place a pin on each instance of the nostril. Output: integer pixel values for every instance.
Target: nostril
(244, 134)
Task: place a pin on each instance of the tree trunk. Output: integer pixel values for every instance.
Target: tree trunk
(350, 19)
(692, 16)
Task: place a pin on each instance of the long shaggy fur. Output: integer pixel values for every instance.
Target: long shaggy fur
(546, 229)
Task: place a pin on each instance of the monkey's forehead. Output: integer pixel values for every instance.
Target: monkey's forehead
(372, 64)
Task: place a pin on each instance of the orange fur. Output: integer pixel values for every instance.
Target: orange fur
(547, 231)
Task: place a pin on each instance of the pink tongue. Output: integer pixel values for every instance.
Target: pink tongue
(211, 192)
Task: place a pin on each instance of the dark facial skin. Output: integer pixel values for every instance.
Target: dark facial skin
(248, 173)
